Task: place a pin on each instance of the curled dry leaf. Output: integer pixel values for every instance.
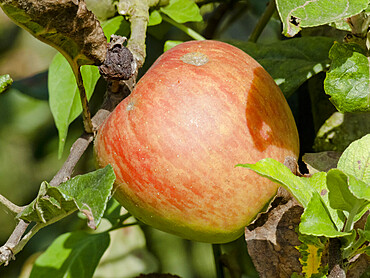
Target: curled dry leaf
(119, 63)
(272, 240)
(66, 25)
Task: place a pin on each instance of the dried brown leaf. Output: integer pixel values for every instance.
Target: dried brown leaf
(273, 239)
(66, 25)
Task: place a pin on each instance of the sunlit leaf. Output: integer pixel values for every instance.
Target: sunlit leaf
(297, 14)
(169, 44)
(74, 255)
(316, 220)
(116, 25)
(5, 82)
(348, 80)
(155, 18)
(182, 11)
(302, 188)
(355, 160)
(340, 196)
(88, 193)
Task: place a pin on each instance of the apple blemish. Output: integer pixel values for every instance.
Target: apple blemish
(195, 58)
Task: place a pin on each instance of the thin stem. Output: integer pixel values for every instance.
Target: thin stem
(354, 249)
(120, 225)
(351, 216)
(13, 208)
(218, 264)
(190, 32)
(86, 115)
(262, 22)
(35, 229)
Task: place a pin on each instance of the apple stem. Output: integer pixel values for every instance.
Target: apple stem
(262, 22)
(218, 263)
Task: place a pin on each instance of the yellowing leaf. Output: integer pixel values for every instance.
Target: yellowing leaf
(311, 262)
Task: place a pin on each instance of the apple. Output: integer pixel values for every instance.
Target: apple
(202, 108)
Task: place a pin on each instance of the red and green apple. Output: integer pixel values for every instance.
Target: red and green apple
(202, 108)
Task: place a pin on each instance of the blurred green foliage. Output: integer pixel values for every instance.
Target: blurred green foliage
(29, 144)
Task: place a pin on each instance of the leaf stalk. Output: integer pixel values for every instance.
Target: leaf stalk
(190, 32)
(262, 22)
(86, 115)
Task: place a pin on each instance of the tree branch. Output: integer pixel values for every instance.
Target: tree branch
(14, 209)
(6, 251)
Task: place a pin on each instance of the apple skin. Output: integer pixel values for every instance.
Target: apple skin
(202, 108)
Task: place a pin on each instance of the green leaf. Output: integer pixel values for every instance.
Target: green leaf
(5, 82)
(316, 220)
(340, 196)
(67, 26)
(169, 44)
(291, 62)
(348, 80)
(73, 255)
(301, 188)
(64, 97)
(359, 188)
(48, 205)
(116, 25)
(89, 193)
(182, 11)
(355, 160)
(297, 14)
(155, 18)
